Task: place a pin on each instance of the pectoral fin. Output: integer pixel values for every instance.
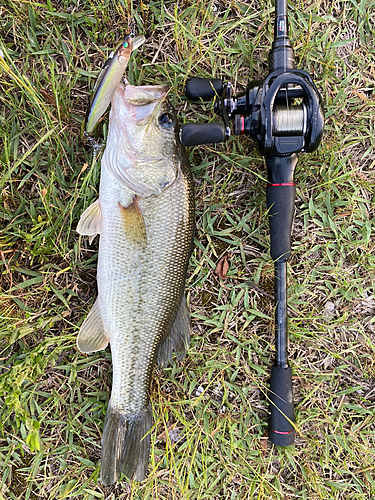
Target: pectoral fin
(133, 223)
(91, 223)
(91, 336)
(178, 339)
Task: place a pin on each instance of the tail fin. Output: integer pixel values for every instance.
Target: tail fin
(125, 445)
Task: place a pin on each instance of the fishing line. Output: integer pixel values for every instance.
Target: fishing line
(95, 145)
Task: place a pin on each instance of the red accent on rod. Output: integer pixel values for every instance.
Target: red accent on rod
(242, 125)
(282, 184)
(283, 433)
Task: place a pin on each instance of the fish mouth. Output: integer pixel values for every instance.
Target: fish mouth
(145, 95)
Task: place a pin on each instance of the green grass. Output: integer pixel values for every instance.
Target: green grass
(209, 437)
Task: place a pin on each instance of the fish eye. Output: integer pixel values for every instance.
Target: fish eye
(167, 120)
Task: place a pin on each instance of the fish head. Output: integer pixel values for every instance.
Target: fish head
(147, 119)
(143, 143)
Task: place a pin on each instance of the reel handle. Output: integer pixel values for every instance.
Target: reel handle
(203, 88)
(192, 134)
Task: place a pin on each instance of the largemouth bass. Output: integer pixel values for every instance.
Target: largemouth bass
(145, 218)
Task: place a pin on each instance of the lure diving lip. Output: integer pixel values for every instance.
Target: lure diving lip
(110, 76)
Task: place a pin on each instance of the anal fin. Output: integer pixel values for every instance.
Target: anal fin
(91, 336)
(178, 339)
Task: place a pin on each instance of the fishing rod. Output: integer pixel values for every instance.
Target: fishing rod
(284, 116)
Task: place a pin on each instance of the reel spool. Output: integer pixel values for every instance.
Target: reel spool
(290, 120)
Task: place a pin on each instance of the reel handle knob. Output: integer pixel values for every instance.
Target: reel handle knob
(192, 134)
(203, 88)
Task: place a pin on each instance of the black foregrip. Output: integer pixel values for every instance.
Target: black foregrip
(280, 202)
(193, 134)
(203, 88)
(281, 432)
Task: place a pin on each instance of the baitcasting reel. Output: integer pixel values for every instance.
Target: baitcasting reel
(284, 116)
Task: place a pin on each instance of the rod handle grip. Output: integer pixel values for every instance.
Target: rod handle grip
(193, 134)
(280, 203)
(281, 431)
(203, 88)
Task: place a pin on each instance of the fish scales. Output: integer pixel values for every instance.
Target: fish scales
(145, 217)
(149, 298)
